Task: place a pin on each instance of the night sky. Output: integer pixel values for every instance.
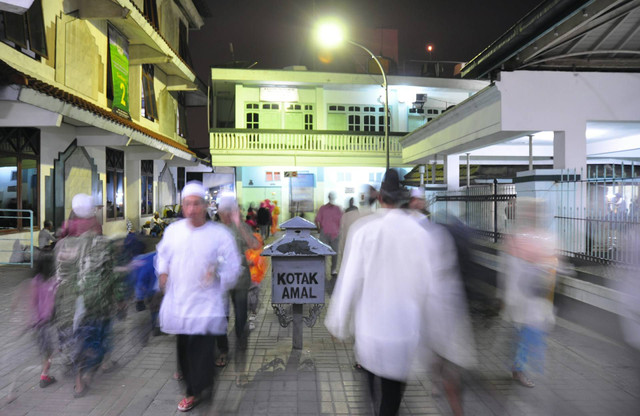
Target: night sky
(277, 33)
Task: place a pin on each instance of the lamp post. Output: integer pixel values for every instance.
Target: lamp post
(330, 35)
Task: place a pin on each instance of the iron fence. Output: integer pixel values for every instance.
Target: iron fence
(595, 217)
(17, 218)
(598, 218)
(489, 210)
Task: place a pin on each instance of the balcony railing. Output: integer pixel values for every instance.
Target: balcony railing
(296, 141)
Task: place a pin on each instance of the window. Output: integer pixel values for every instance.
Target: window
(146, 180)
(151, 13)
(252, 116)
(148, 106)
(183, 44)
(272, 177)
(356, 118)
(115, 184)
(25, 32)
(19, 172)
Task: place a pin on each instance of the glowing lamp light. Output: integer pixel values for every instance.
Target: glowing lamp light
(429, 48)
(330, 34)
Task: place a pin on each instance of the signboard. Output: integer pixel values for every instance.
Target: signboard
(302, 187)
(119, 58)
(297, 280)
(287, 95)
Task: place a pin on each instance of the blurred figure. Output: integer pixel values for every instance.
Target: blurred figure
(147, 289)
(86, 294)
(258, 266)
(380, 296)
(250, 219)
(369, 196)
(157, 225)
(628, 286)
(352, 206)
(43, 292)
(274, 217)
(527, 280)
(417, 201)
(45, 236)
(244, 240)
(82, 218)
(197, 263)
(328, 223)
(263, 218)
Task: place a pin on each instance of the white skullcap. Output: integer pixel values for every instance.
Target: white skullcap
(82, 206)
(227, 202)
(417, 193)
(193, 188)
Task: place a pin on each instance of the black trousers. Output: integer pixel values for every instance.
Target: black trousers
(391, 392)
(240, 299)
(196, 358)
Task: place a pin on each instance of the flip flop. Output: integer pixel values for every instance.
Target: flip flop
(221, 361)
(81, 393)
(185, 404)
(178, 376)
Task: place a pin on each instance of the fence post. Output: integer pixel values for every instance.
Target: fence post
(495, 210)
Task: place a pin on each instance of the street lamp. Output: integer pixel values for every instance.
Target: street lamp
(330, 35)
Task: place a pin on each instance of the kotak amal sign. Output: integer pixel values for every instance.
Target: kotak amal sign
(298, 280)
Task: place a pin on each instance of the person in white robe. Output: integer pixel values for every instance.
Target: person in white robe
(386, 281)
(197, 263)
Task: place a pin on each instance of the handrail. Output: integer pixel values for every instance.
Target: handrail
(305, 140)
(18, 217)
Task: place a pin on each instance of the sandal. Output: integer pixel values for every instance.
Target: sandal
(522, 379)
(46, 381)
(242, 380)
(186, 404)
(178, 376)
(221, 361)
(81, 393)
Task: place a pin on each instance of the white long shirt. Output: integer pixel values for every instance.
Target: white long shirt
(381, 291)
(202, 263)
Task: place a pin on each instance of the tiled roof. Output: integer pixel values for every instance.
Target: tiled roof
(10, 75)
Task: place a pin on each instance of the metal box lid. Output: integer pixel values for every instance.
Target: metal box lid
(297, 241)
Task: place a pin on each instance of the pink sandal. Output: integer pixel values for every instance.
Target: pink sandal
(186, 404)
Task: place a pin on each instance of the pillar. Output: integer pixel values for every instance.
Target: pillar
(452, 172)
(570, 148)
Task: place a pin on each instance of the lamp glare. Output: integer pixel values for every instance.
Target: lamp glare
(330, 34)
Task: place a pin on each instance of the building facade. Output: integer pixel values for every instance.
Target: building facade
(294, 135)
(93, 99)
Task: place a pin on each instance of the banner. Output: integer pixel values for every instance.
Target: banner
(119, 58)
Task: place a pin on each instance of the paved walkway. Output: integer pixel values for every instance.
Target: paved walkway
(585, 374)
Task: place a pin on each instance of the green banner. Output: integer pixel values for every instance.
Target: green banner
(119, 57)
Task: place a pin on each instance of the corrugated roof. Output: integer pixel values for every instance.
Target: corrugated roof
(570, 35)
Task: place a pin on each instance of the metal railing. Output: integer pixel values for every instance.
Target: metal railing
(14, 221)
(304, 140)
(598, 218)
(489, 210)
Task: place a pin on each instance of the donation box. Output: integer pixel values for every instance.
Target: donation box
(297, 264)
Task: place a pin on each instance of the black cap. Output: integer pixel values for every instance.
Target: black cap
(391, 190)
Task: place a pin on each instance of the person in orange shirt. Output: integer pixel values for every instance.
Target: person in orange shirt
(274, 217)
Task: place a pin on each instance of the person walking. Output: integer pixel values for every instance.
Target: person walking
(244, 240)
(328, 223)
(197, 263)
(380, 296)
(263, 218)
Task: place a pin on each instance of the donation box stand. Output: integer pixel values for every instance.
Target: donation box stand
(297, 275)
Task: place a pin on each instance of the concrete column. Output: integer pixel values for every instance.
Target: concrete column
(570, 148)
(132, 192)
(452, 172)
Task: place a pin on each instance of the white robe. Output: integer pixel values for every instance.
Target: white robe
(202, 264)
(380, 293)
